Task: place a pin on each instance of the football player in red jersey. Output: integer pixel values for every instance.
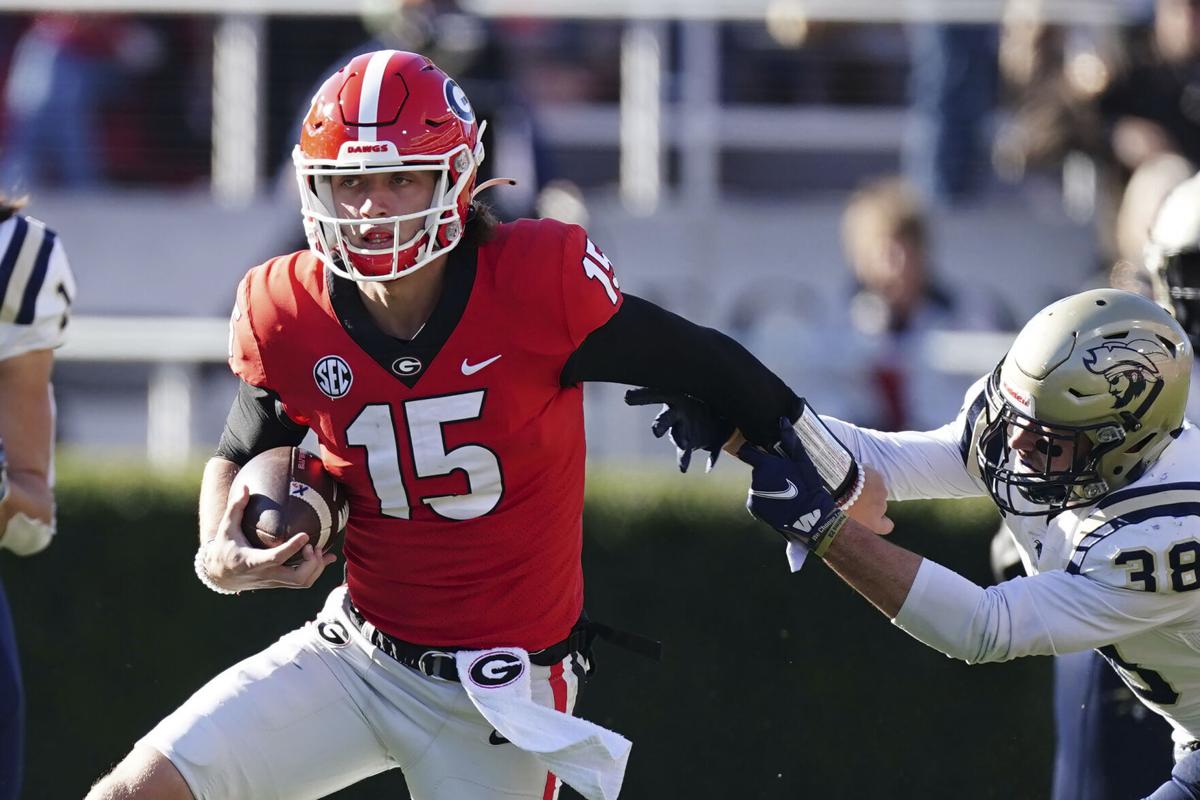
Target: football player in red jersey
(438, 356)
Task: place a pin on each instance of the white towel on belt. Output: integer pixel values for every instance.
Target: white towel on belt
(587, 757)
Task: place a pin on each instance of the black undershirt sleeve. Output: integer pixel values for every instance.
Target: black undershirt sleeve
(256, 422)
(645, 345)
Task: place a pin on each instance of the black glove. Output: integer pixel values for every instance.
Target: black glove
(787, 493)
(689, 423)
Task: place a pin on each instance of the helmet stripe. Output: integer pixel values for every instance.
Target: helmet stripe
(368, 99)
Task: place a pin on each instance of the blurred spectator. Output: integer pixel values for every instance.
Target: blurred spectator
(63, 71)
(1114, 101)
(1150, 104)
(789, 59)
(1052, 113)
(868, 362)
(952, 92)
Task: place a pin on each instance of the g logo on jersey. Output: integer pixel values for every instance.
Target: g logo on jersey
(407, 366)
(496, 669)
(457, 100)
(333, 376)
(1129, 368)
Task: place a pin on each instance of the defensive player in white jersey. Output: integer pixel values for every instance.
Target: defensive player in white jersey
(1079, 437)
(1173, 261)
(36, 288)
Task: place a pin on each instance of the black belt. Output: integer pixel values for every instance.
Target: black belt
(438, 662)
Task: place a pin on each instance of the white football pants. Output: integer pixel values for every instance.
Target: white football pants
(322, 709)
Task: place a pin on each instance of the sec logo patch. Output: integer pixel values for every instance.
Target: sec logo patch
(333, 376)
(496, 669)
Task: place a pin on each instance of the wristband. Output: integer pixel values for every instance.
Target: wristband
(202, 571)
(860, 481)
(822, 539)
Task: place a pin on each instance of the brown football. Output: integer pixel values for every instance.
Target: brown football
(290, 493)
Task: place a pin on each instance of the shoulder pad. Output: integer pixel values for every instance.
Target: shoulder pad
(31, 271)
(970, 424)
(1143, 538)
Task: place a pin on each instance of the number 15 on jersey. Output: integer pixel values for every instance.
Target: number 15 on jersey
(374, 429)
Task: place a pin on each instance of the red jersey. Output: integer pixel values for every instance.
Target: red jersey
(462, 454)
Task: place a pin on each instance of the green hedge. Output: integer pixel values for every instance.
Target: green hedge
(772, 685)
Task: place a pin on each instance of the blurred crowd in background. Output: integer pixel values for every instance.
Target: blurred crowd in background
(1101, 119)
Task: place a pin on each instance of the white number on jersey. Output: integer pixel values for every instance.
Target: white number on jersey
(373, 429)
(598, 268)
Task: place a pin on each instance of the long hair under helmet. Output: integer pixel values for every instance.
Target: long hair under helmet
(387, 111)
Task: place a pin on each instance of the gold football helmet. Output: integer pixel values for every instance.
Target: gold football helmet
(1091, 392)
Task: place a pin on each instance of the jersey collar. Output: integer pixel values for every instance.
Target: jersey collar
(407, 360)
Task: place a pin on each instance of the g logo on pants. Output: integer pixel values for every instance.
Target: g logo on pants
(496, 669)
(333, 632)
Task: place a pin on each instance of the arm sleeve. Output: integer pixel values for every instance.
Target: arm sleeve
(256, 422)
(645, 345)
(1045, 614)
(915, 465)
(922, 465)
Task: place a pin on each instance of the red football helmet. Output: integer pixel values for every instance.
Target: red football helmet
(388, 111)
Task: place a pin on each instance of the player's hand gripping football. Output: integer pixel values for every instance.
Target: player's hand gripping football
(234, 565)
(687, 422)
(787, 493)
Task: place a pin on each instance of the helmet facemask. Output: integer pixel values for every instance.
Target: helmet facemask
(1067, 472)
(443, 220)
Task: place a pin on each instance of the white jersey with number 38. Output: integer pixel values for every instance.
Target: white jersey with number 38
(1121, 576)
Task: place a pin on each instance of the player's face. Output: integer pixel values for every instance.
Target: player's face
(378, 195)
(1042, 449)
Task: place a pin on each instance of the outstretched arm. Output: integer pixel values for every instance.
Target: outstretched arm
(645, 345)
(1049, 613)
(874, 567)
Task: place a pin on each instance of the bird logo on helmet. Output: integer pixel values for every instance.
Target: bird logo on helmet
(388, 111)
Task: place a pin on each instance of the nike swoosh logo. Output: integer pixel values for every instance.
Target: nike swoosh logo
(786, 494)
(495, 738)
(471, 369)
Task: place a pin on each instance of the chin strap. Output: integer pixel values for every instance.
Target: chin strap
(493, 182)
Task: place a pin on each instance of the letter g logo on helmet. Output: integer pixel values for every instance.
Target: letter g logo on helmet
(457, 100)
(496, 669)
